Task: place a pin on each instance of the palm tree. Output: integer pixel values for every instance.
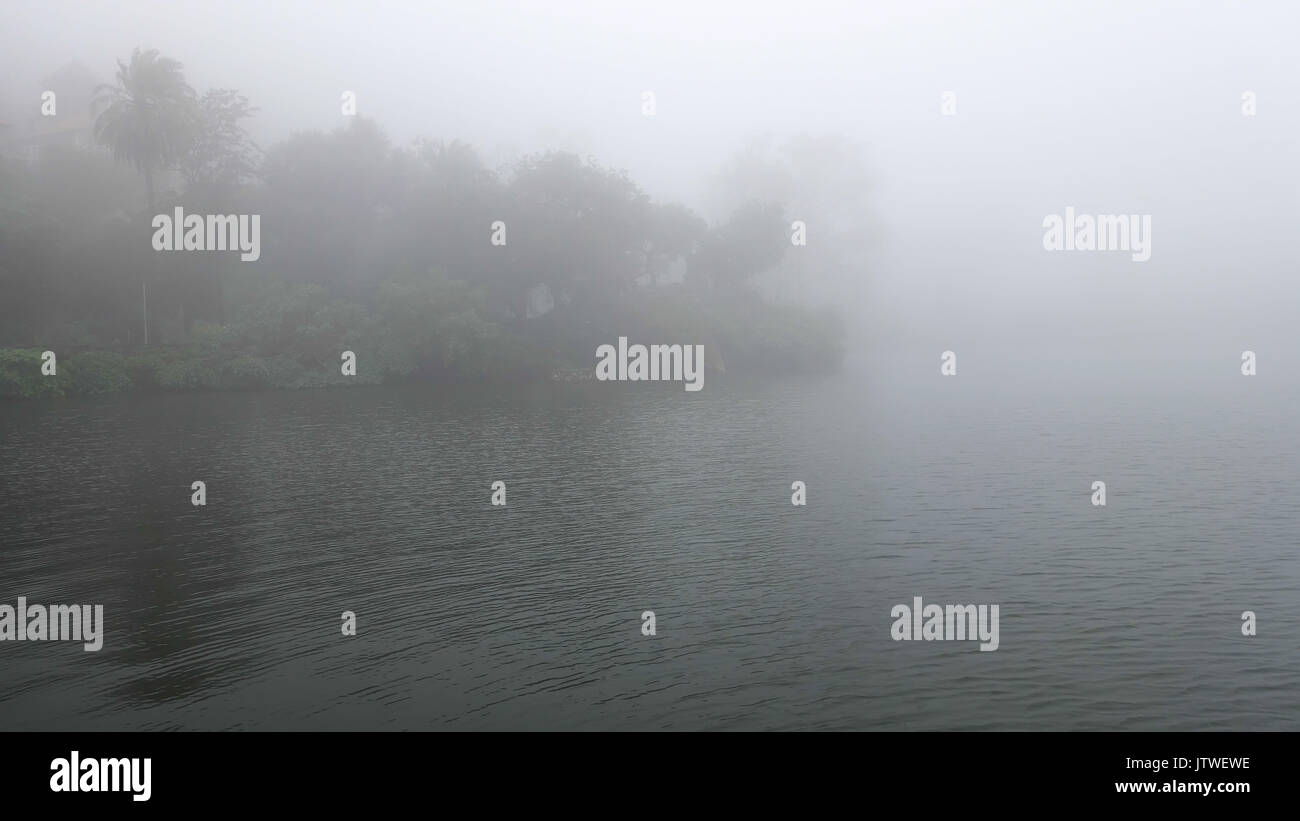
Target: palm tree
(147, 117)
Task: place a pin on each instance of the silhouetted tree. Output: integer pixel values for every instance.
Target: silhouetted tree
(147, 118)
(221, 156)
(752, 241)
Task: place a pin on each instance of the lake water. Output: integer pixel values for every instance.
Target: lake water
(624, 498)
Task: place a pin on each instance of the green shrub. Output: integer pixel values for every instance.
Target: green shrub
(249, 372)
(96, 372)
(430, 327)
(21, 377)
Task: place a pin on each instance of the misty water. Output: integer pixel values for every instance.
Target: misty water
(624, 498)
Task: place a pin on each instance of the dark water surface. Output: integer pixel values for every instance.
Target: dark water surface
(624, 498)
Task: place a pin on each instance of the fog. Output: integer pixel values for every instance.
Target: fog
(1109, 107)
(292, 292)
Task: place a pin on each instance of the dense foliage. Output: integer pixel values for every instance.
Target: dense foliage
(365, 246)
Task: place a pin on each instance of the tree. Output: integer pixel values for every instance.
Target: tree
(332, 196)
(221, 156)
(823, 181)
(676, 233)
(446, 209)
(580, 228)
(148, 117)
(752, 241)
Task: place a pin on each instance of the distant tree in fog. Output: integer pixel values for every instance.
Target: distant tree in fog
(148, 117)
(434, 264)
(752, 241)
(822, 181)
(221, 156)
(676, 233)
(576, 226)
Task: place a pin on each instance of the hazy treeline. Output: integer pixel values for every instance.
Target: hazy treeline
(368, 246)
